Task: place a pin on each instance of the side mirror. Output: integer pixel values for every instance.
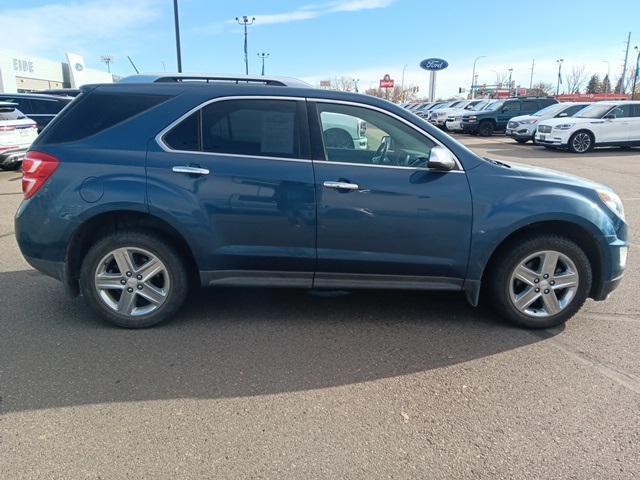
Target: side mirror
(441, 159)
(563, 114)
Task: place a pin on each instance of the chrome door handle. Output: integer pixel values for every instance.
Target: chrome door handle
(191, 170)
(341, 185)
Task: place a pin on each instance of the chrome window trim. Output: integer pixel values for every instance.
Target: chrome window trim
(397, 117)
(165, 130)
(166, 148)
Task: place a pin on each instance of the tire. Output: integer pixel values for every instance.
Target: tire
(505, 289)
(11, 166)
(486, 128)
(338, 138)
(521, 141)
(167, 288)
(581, 142)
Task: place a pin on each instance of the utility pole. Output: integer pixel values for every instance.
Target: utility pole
(473, 75)
(533, 65)
(108, 59)
(355, 84)
(245, 21)
(402, 83)
(177, 28)
(510, 72)
(560, 60)
(133, 64)
(608, 75)
(624, 69)
(635, 73)
(263, 55)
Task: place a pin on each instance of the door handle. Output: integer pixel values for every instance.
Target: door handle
(190, 170)
(341, 185)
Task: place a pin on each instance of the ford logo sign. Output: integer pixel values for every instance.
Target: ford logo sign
(434, 64)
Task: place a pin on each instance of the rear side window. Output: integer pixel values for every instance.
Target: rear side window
(24, 104)
(545, 102)
(263, 128)
(573, 109)
(530, 106)
(47, 107)
(94, 112)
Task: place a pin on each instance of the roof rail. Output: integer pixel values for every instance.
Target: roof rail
(203, 78)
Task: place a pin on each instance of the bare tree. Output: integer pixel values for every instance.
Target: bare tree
(343, 84)
(395, 94)
(575, 79)
(541, 89)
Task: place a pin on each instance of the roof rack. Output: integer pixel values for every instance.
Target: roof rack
(217, 79)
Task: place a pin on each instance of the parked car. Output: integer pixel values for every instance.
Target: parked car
(38, 107)
(439, 117)
(495, 119)
(344, 131)
(17, 132)
(523, 128)
(424, 110)
(172, 185)
(602, 124)
(454, 120)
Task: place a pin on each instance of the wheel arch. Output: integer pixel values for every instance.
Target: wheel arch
(110, 222)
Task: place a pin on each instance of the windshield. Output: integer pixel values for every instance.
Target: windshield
(593, 111)
(495, 106)
(550, 110)
(477, 106)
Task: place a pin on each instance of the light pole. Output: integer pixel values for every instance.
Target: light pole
(635, 73)
(473, 75)
(355, 84)
(263, 55)
(560, 60)
(245, 21)
(510, 72)
(108, 59)
(177, 28)
(608, 74)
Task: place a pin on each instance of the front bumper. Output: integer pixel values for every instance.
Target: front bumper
(469, 127)
(521, 132)
(454, 125)
(556, 138)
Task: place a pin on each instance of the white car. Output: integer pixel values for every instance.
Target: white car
(454, 120)
(601, 124)
(523, 127)
(17, 132)
(438, 116)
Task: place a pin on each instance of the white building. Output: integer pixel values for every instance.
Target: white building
(26, 73)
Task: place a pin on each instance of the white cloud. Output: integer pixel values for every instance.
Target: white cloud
(81, 26)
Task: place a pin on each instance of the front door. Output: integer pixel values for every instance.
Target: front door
(615, 126)
(384, 219)
(236, 177)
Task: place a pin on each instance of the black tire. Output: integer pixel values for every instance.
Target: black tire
(486, 128)
(338, 138)
(521, 141)
(581, 134)
(499, 278)
(163, 250)
(11, 166)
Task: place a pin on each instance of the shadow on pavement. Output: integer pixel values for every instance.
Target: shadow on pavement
(230, 343)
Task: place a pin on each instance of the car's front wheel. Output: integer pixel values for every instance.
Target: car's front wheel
(581, 142)
(540, 282)
(133, 279)
(486, 128)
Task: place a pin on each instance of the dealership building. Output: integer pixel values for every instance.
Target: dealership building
(26, 73)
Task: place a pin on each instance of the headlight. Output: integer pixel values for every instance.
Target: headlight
(612, 201)
(529, 122)
(564, 126)
(473, 118)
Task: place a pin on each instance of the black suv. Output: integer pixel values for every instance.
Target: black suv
(496, 117)
(38, 107)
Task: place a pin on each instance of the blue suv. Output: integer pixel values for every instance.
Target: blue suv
(139, 190)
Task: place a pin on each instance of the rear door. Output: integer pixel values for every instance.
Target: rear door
(383, 218)
(510, 109)
(235, 175)
(634, 124)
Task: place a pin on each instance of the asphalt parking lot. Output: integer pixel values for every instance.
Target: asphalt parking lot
(288, 384)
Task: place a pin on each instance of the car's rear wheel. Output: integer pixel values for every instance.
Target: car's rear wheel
(133, 279)
(541, 282)
(581, 142)
(486, 128)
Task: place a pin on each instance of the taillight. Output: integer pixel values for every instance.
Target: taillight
(37, 167)
(7, 128)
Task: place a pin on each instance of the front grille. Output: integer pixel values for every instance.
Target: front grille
(450, 119)
(544, 129)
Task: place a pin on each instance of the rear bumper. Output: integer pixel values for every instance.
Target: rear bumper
(12, 157)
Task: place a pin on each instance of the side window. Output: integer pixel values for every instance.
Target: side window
(636, 110)
(545, 102)
(46, 107)
(253, 127)
(511, 106)
(360, 135)
(24, 104)
(186, 135)
(621, 111)
(530, 106)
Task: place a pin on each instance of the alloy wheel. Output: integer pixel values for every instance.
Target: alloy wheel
(132, 281)
(543, 284)
(581, 142)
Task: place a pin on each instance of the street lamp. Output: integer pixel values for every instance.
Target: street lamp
(108, 59)
(510, 72)
(245, 21)
(608, 74)
(177, 28)
(355, 83)
(263, 55)
(635, 73)
(560, 60)
(473, 75)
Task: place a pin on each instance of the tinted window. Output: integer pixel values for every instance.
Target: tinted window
(24, 104)
(360, 135)
(573, 109)
(511, 106)
(185, 135)
(636, 110)
(621, 111)
(94, 112)
(546, 101)
(252, 127)
(530, 105)
(47, 107)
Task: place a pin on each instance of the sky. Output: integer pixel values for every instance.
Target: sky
(323, 39)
